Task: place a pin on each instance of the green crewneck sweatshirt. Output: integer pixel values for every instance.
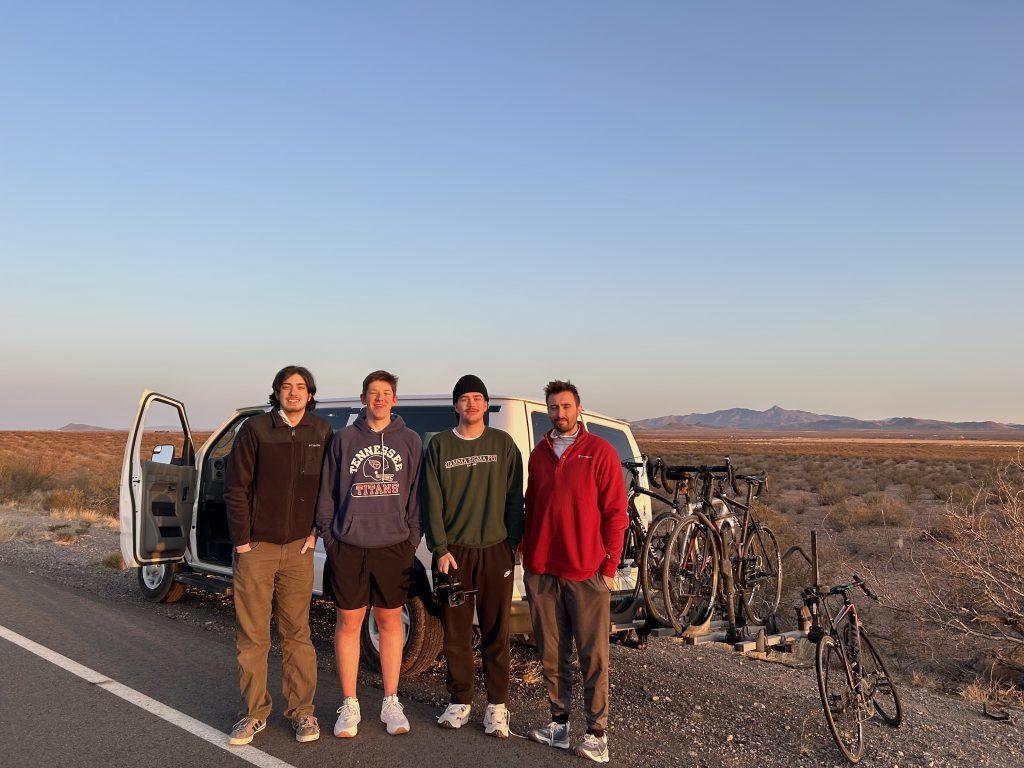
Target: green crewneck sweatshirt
(472, 491)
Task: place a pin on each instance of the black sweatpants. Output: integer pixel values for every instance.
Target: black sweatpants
(489, 570)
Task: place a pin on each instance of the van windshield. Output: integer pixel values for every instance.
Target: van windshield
(425, 420)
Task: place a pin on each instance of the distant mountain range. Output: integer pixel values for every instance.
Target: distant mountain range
(776, 418)
(149, 428)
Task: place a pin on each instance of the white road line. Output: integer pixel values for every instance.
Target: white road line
(174, 717)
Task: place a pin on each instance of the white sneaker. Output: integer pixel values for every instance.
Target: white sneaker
(456, 716)
(392, 714)
(348, 719)
(593, 748)
(496, 721)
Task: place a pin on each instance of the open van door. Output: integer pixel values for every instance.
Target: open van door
(158, 485)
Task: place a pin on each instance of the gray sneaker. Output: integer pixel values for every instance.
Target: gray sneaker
(306, 728)
(593, 748)
(553, 734)
(243, 731)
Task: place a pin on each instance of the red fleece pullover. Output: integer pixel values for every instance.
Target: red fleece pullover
(575, 509)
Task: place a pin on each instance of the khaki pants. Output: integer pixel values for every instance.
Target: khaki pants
(274, 578)
(565, 611)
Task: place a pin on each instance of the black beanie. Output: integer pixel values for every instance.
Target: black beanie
(468, 383)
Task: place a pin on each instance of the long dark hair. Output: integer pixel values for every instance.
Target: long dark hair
(291, 370)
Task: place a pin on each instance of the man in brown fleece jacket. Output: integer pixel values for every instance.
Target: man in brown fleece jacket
(273, 476)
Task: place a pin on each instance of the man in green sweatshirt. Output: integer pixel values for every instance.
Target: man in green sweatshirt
(472, 498)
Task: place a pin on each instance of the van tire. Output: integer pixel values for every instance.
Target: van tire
(422, 646)
(157, 584)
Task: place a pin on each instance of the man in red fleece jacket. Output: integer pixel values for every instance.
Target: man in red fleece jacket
(575, 525)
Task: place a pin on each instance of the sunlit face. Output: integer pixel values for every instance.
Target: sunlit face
(471, 408)
(379, 399)
(564, 411)
(294, 395)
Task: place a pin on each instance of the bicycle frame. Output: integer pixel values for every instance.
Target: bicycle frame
(854, 674)
(711, 490)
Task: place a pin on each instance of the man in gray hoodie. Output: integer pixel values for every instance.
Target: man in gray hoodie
(368, 516)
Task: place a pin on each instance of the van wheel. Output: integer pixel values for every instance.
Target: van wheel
(421, 639)
(157, 583)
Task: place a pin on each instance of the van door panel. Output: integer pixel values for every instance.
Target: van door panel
(156, 497)
(168, 496)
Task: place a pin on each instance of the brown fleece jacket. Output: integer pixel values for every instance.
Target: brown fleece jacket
(273, 475)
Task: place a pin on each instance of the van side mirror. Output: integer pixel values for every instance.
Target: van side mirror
(163, 454)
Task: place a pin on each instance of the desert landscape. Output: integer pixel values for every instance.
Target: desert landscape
(886, 507)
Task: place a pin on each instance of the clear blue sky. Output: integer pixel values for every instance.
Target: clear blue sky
(681, 206)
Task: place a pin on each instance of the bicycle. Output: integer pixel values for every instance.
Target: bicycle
(718, 553)
(853, 685)
(644, 545)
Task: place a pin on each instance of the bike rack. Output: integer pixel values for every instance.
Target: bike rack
(718, 630)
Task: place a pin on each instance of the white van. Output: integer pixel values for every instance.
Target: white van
(174, 526)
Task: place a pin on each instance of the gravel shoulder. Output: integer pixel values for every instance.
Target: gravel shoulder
(672, 704)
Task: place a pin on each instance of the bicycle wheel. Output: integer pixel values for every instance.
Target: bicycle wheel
(761, 574)
(839, 700)
(878, 686)
(651, 558)
(690, 574)
(627, 580)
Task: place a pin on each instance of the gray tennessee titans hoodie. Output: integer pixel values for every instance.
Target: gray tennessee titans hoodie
(368, 489)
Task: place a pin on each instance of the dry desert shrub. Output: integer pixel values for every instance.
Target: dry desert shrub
(21, 476)
(831, 492)
(795, 502)
(891, 509)
(64, 498)
(979, 591)
(113, 561)
(850, 512)
(532, 673)
(87, 516)
(987, 691)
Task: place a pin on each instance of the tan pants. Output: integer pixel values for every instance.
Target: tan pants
(565, 611)
(274, 578)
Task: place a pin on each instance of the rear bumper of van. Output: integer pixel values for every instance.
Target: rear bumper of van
(519, 618)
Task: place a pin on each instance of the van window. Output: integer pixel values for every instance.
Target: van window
(336, 415)
(616, 436)
(540, 423)
(619, 440)
(428, 420)
(425, 420)
(225, 442)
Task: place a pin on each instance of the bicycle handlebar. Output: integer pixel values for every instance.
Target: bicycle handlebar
(863, 585)
(839, 589)
(661, 475)
(678, 471)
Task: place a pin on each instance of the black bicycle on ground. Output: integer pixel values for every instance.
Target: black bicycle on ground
(853, 682)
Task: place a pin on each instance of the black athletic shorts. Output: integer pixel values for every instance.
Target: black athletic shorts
(360, 576)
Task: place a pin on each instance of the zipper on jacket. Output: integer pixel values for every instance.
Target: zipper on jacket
(291, 489)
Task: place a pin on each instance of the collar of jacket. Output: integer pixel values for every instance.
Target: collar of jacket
(581, 437)
(277, 421)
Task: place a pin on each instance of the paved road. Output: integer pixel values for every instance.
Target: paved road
(49, 716)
